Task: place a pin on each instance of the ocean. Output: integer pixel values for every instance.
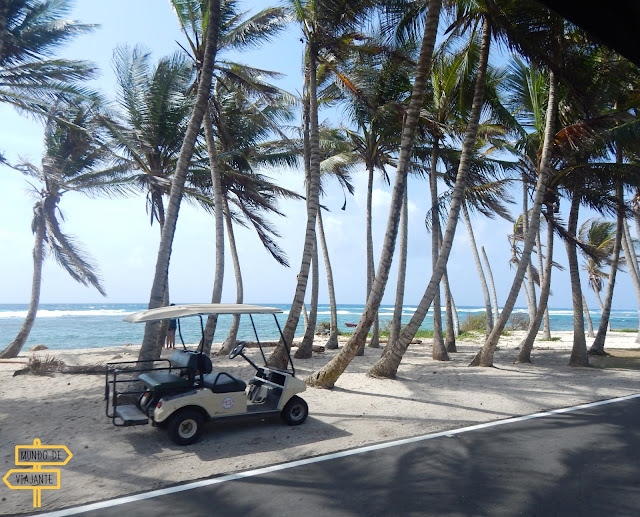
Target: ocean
(71, 326)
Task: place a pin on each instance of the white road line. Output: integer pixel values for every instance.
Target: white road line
(325, 457)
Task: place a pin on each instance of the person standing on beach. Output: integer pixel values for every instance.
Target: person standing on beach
(171, 334)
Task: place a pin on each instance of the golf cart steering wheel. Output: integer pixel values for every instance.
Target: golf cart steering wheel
(237, 350)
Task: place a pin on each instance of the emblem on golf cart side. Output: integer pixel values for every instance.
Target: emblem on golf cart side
(227, 403)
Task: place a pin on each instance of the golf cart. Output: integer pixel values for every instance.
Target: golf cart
(185, 391)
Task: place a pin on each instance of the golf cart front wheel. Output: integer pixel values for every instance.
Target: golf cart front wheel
(295, 411)
(185, 426)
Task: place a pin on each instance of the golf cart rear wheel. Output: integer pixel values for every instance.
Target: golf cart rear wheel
(295, 411)
(185, 426)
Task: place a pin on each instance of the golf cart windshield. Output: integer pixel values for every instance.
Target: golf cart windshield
(205, 309)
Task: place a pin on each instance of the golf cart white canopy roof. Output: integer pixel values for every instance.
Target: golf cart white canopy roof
(182, 311)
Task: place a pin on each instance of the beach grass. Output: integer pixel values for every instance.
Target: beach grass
(627, 359)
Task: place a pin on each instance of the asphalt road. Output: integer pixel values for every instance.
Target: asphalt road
(583, 463)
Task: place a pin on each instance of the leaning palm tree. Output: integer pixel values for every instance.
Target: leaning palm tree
(388, 365)
(327, 27)
(148, 126)
(376, 86)
(242, 147)
(149, 349)
(70, 164)
(327, 376)
(234, 33)
(31, 32)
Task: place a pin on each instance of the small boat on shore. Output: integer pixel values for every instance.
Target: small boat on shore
(351, 324)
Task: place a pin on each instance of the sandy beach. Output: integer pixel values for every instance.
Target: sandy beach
(427, 396)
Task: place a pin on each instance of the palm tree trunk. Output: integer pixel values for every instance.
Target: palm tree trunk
(14, 348)
(527, 297)
(388, 365)
(601, 306)
(375, 340)
(396, 321)
(485, 356)
(492, 285)
(327, 376)
(439, 350)
(218, 208)
(305, 316)
(546, 332)
(306, 347)
(230, 342)
(579, 355)
(164, 324)
(450, 339)
(456, 320)
(527, 344)
(332, 344)
(597, 348)
(587, 315)
(483, 281)
(632, 263)
(149, 349)
(279, 356)
(531, 287)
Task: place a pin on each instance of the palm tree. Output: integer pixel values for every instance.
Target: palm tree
(388, 365)
(326, 28)
(544, 44)
(599, 236)
(526, 346)
(631, 260)
(149, 349)
(597, 348)
(327, 376)
(242, 147)
(70, 164)
(492, 285)
(31, 32)
(396, 320)
(148, 129)
(234, 33)
(377, 88)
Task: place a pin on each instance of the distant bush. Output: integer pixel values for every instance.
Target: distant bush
(474, 322)
(519, 321)
(322, 328)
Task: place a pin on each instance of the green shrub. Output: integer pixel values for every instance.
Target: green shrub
(474, 322)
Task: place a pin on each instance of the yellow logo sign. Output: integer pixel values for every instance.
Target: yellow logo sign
(37, 478)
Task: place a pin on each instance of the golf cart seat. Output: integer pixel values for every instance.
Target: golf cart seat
(189, 365)
(222, 382)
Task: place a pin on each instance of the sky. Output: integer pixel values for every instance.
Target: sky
(117, 235)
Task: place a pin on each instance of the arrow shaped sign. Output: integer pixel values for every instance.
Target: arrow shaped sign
(22, 479)
(38, 454)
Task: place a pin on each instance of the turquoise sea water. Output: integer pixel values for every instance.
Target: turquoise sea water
(63, 326)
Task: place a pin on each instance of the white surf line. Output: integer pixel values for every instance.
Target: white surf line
(325, 457)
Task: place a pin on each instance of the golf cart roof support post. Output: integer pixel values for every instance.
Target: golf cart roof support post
(201, 346)
(255, 333)
(180, 333)
(293, 370)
